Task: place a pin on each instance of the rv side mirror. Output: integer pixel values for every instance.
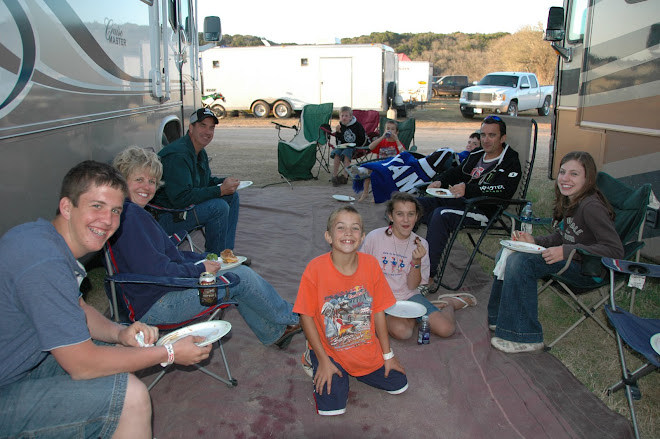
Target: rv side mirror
(212, 29)
(555, 29)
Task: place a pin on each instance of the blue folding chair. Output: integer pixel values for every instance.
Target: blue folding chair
(640, 334)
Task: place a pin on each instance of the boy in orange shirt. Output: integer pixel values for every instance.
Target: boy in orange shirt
(341, 301)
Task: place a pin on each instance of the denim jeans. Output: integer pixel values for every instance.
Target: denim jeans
(442, 216)
(262, 308)
(513, 303)
(219, 217)
(48, 403)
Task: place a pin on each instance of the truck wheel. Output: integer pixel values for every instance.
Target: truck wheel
(513, 109)
(219, 111)
(467, 115)
(545, 109)
(282, 110)
(261, 109)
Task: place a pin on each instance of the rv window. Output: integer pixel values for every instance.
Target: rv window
(186, 20)
(577, 20)
(172, 14)
(216, 64)
(304, 62)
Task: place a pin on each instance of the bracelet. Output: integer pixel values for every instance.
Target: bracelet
(389, 355)
(170, 355)
(417, 266)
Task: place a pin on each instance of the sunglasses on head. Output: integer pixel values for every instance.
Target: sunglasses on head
(496, 118)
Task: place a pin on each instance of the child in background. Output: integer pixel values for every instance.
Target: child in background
(474, 142)
(341, 301)
(404, 260)
(387, 145)
(349, 130)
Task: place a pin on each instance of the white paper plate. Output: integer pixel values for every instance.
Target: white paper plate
(406, 309)
(224, 265)
(211, 331)
(655, 342)
(520, 246)
(440, 192)
(343, 198)
(244, 184)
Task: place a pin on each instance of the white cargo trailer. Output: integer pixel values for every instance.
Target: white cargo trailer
(415, 81)
(286, 78)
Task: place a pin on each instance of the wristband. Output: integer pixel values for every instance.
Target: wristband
(389, 355)
(170, 355)
(417, 266)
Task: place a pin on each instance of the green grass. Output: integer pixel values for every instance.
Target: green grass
(588, 352)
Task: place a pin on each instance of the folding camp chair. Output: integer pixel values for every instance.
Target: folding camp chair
(122, 311)
(297, 157)
(370, 120)
(642, 335)
(630, 209)
(179, 237)
(521, 135)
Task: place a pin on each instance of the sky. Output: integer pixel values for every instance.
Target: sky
(311, 21)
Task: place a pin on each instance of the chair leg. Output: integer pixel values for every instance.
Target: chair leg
(160, 375)
(626, 379)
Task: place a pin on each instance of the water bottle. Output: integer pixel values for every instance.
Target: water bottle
(424, 333)
(526, 215)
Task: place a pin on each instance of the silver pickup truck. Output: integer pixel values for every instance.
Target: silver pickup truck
(507, 93)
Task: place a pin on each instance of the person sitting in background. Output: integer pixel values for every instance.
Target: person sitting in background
(188, 180)
(349, 130)
(474, 142)
(388, 144)
(493, 171)
(141, 246)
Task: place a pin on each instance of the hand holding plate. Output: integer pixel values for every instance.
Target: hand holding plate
(211, 266)
(458, 190)
(127, 334)
(435, 184)
(518, 235)
(186, 352)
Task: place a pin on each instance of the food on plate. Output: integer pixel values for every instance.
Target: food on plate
(228, 256)
(212, 257)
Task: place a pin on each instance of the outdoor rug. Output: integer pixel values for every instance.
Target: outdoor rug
(459, 387)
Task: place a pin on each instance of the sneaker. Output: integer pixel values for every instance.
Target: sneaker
(492, 327)
(512, 347)
(335, 181)
(342, 179)
(306, 363)
(423, 290)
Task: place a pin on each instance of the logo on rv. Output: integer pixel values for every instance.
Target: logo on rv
(113, 33)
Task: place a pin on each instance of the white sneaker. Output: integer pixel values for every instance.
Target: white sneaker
(492, 327)
(306, 363)
(512, 347)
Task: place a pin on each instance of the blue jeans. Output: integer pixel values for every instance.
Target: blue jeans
(262, 308)
(442, 216)
(513, 303)
(48, 403)
(219, 217)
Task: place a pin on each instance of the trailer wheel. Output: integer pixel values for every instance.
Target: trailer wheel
(391, 93)
(545, 109)
(282, 110)
(513, 109)
(261, 109)
(219, 111)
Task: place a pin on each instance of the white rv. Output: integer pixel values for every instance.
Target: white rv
(415, 83)
(607, 91)
(286, 78)
(83, 79)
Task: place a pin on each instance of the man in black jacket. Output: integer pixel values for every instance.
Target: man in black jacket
(492, 171)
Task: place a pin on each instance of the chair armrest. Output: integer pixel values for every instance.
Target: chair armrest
(540, 221)
(591, 264)
(168, 209)
(631, 248)
(493, 201)
(632, 267)
(279, 126)
(228, 279)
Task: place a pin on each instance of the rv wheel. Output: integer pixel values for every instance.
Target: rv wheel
(261, 109)
(282, 110)
(219, 111)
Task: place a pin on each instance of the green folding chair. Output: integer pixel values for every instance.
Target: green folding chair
(296, 157)
(630, 209)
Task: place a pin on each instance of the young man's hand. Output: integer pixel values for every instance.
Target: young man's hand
(393, 364)
(323, 376)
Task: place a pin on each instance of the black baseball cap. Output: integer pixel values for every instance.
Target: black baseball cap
(202, 114)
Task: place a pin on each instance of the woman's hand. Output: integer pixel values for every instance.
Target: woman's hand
(553, 255)
(518, 235)
(211, 266)
(418, 253)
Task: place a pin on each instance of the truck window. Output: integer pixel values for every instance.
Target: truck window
(524, 82)
(532, 81)
(502, 80)
(577, 18)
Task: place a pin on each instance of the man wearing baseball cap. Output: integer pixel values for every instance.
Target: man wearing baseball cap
(187, 180)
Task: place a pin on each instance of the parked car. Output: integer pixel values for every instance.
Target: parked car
(506, 93)
(450, 85)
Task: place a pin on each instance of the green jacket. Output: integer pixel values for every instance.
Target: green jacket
(186, 175)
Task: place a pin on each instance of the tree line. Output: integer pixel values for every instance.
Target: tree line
(457, 53)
